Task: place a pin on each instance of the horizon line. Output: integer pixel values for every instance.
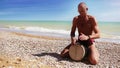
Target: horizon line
(53, 20)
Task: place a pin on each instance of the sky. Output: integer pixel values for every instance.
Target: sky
(65, 10)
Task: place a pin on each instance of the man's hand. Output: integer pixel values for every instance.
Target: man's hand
(83, 37)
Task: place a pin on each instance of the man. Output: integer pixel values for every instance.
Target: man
(88, 31)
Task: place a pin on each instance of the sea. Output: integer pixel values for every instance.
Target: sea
(109, 30)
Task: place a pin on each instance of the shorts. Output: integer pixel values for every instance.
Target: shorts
(85, 43)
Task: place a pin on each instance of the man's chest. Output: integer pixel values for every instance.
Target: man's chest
(84, 24)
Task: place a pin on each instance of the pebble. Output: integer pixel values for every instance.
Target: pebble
(47, 52)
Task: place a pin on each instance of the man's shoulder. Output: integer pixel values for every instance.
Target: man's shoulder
(76, 17)
(90, 17)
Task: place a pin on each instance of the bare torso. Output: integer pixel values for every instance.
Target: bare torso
(85, 26)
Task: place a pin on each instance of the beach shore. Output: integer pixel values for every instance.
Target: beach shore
(18, 50)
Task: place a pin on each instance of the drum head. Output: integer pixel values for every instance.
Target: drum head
(77, 52)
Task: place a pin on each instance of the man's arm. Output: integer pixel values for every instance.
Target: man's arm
(96, 30)
(73, 29)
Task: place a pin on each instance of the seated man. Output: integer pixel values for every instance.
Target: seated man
(88, 31)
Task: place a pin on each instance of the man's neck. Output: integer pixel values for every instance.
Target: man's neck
(84, 18)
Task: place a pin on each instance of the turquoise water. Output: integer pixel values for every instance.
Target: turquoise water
(110, 29)
(65, 25)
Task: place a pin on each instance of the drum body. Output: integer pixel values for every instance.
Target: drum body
(77, 52)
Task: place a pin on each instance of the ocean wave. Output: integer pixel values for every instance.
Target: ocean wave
(37, 29)
(40, 29)
(14, 27)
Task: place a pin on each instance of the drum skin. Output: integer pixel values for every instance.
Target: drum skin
(77, 52)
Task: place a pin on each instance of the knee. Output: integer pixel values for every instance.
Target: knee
(94, 61)
(64, 53)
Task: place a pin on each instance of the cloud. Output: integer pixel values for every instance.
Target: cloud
(114, 3)
(110, 11)
(109, 16)
(117, 4)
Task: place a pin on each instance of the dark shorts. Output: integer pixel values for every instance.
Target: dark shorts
(85, 43)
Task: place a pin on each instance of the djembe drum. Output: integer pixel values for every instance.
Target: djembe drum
(77, 52)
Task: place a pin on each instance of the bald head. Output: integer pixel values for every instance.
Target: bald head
(83, 5)
(82, 9)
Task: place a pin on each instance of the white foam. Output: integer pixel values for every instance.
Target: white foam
(117, 41)
(53, 31)
(14, 27)
(41, 29)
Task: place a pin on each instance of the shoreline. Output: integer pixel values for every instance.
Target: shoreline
(59, 36)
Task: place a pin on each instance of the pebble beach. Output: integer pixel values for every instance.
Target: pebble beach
(18, 50)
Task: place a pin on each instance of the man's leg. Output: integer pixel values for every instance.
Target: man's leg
(65, 52)
(93, 55)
